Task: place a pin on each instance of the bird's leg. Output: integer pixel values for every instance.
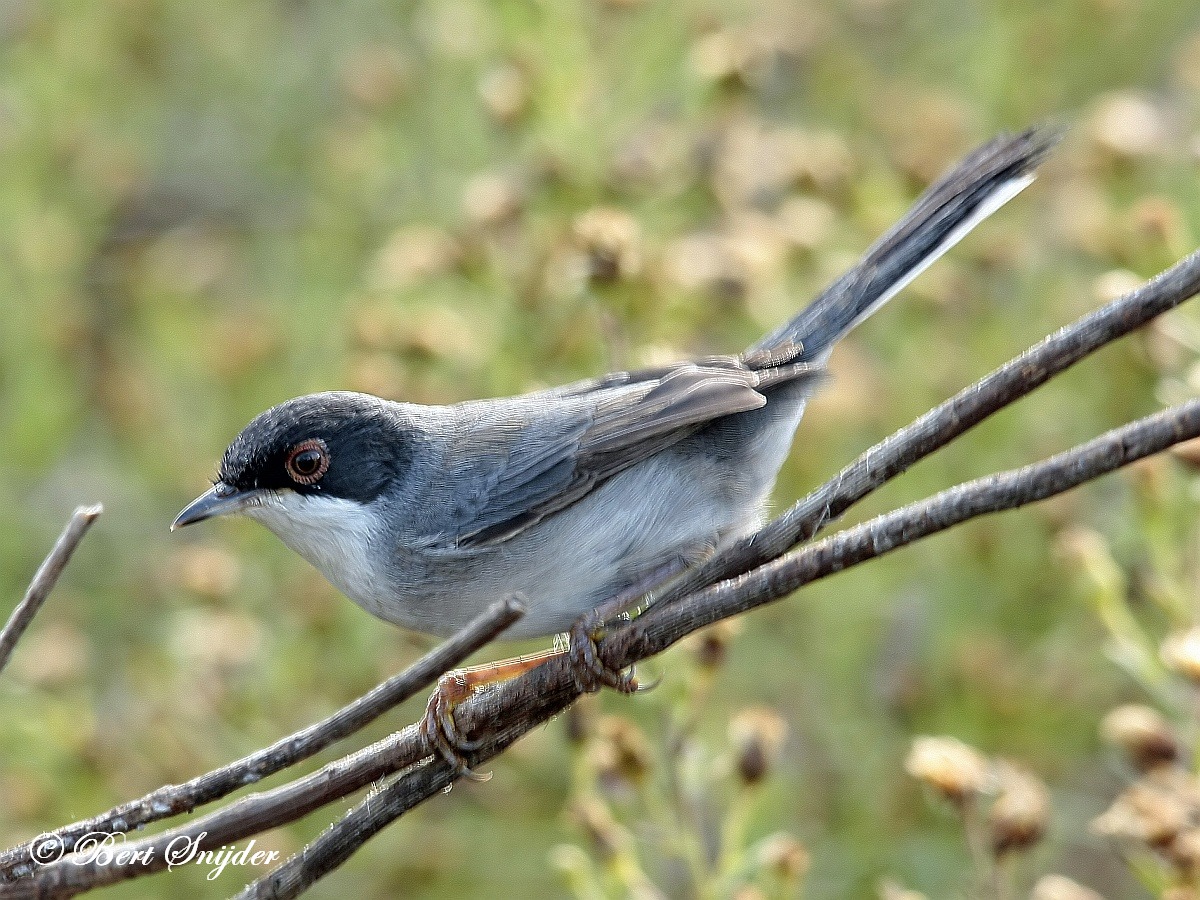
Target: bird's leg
(589, 670)
(455, 687)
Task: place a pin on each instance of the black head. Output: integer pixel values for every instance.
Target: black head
(339, 444)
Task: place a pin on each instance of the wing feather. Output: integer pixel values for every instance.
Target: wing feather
(552, 449)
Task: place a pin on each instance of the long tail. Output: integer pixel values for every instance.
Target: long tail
(941, 217)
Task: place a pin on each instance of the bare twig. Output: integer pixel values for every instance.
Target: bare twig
(336, 845)
(895, 454)
(874, 538)
(499, 717)
(45, 578)
(173, 799)
(242, 818)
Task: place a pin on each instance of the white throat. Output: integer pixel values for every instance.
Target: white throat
(331, 533)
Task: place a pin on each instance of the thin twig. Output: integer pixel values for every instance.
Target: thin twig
(500, 716)
(249, 815)
(895, 454)
(173, 799)
(45, 578)
(335, 845)
(883, 534)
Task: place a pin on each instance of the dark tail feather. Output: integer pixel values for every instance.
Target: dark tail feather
(941, 217)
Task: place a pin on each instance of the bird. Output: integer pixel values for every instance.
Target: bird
(583, 498)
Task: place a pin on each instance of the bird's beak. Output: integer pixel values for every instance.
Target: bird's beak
(221, 500)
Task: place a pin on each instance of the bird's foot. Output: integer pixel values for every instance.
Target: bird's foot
(438, 726)
(440, 730)
(588, 669)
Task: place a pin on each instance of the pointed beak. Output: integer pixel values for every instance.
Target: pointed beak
(222, 500)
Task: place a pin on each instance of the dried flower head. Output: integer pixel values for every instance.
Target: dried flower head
(723, 55)
(805, 221)
(54, 654)
(1115, 283)
(1158, 220)
(1142, 734)
(491, 199)
(374, 77)
(1180, 653)
(1184, 850)
(784, 856)
(612, 240)
(621, 754)
(757, 735)
(209, 570)
(1020, 812)
(580, 721)
(955, 770)
(1154, 810)
(413, 254)
(705, 261)
(505, 92)
(219, 639)
(755, 164)
(1128, 125)
(712, 644)
(656, 158)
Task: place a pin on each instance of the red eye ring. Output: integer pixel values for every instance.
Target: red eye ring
(308, 461)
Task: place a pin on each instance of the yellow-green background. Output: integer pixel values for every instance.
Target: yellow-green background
(207, 208)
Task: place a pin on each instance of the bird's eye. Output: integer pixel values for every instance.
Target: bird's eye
(308, 461)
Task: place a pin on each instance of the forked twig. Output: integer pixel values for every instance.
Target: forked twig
(173, 799)
(501, 716)
(942, 424)
(754, 572)
(508, 714)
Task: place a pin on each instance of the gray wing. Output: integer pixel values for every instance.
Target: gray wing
(536, 455)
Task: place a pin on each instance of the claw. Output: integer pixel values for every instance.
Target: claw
(440, 731)
(643, 686)
(588, 669)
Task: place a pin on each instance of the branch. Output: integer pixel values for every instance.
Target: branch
(499, 717)
(337, 844)
(508, 712)
(45, 578)
(662, 626)
(895, 454)
(78, 872)
(172, 800)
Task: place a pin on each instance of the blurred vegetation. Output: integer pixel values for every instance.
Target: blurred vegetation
(208, 208)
